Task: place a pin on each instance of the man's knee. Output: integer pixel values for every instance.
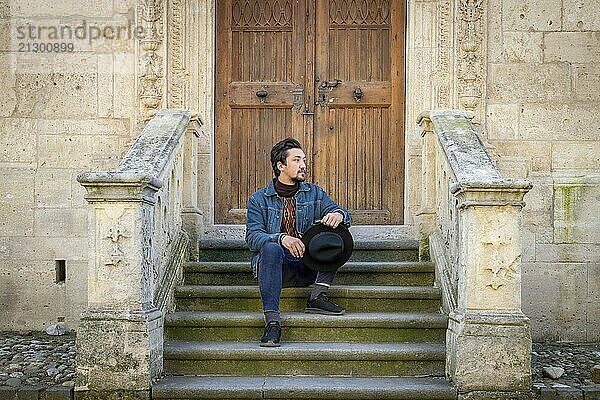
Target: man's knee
(271, 249)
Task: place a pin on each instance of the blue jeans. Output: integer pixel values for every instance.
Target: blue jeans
(278, 268)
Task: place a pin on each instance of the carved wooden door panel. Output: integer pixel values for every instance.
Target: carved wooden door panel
(327, 72)
(358, 135)
(260, 71)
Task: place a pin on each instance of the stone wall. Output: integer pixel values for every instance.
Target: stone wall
(543, 123)
(63, 112)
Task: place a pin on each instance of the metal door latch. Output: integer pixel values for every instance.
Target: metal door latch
(298, 98)
(324, 89)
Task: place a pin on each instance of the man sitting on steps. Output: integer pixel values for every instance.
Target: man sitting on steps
(277, 217)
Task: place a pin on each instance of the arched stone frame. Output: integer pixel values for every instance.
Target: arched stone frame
(445, 68)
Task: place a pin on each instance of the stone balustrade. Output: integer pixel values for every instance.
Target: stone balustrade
(137, 246)
(470, 225)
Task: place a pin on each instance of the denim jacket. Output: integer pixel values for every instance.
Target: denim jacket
(265, 211)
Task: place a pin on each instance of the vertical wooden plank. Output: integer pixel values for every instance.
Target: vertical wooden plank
(222, 110)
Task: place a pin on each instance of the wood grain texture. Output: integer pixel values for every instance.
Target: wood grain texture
(354, 146)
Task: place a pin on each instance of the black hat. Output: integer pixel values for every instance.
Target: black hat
(326, 248)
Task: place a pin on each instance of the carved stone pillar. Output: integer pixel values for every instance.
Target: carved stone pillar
(489, 340)
(427, 212)
(191, 214)
(120, 337)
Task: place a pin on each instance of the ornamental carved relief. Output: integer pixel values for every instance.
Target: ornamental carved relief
(114, 231)
(501, 264)
(470, 51)
(254, 13)
(178, 73)
(150, 60)
(441, 74)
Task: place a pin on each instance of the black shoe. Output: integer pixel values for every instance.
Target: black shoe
(272, 335)
(322, 305)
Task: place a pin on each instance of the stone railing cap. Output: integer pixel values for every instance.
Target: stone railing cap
(467, 156)
(155, 144)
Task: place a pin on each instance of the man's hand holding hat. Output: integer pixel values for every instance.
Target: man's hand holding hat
(333, 219)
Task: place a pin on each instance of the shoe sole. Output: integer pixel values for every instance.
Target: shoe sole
(323, 312)
(269, 344)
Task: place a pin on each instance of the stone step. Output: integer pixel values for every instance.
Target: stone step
(405, 273)
(352, 327)
(313, 358)
(364, 250)
(353, 298)
(302, 387)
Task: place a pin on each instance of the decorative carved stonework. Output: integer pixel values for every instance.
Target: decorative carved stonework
(178, 74)
(502, 270)
(470, 51)
(115, 231)
(441, 76)
(150, 62)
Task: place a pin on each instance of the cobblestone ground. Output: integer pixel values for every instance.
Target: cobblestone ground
(44, 362)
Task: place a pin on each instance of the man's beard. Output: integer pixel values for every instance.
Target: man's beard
(300, 177)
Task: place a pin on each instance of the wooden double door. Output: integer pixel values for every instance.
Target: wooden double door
(329, 73)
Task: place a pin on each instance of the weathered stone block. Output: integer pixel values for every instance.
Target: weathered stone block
(592, 306)
(572, 47)
(568, 253)
(582, 155)
(562, 316)
(82, 127)
(118, 349)
(81, 152)
(513, 167)
(18, 140)
(64, 8)
(529, 82)
(561, 122)
(576, 216)
(124, 103)
(540, 197)
(502, 121)
(494, 31)
(35, 299)
(532, 15)
(52, 94)
(61, 222)
(586, 82)
(522, 47)
(105, 85)
(7, 80)
(53, 188)
(45, 248)
(580, 15)
(489, 351)
(537, 151)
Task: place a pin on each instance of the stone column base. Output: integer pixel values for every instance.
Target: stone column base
(489, 352)
(118, 351)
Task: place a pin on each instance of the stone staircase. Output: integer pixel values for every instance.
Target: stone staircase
(389, 345)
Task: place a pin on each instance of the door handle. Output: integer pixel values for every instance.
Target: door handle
(262, 94)
(324, 89)
(330, 84)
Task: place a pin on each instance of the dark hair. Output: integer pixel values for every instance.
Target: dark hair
(279, 152)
